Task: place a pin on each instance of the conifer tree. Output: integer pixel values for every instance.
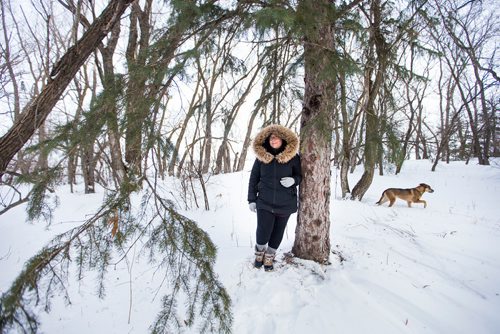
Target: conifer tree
(319, 19)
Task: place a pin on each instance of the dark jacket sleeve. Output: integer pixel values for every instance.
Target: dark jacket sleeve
(296, 170)
(253, 182)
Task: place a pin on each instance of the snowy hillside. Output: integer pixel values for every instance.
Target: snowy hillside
(394, 270)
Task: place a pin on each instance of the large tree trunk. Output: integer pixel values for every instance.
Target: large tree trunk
(312, 234)
(62, 74)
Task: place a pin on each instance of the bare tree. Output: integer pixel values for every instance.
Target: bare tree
(223, 161)
(64, 71)
(471, 31)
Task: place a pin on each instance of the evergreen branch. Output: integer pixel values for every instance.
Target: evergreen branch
(184, 249)
(195, 253)
(15, 310)
(347, 7)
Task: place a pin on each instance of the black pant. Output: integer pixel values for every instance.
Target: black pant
(270, 228)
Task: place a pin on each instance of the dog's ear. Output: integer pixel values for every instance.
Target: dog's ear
(424, 185)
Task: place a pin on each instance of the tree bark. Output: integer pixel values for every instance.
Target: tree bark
(109, 83)
(410, 99)
(373, 88)
(346, 136)
(137, 106)
(110, 109)
(62, 74)
(312, 234)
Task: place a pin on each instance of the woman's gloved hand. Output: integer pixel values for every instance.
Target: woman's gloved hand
(252, 206)
(287, 181)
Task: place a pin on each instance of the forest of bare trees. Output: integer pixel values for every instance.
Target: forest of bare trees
(120, 95)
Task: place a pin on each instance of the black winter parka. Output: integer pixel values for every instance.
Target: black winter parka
(264, 187)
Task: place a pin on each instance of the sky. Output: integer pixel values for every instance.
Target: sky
(393, 270)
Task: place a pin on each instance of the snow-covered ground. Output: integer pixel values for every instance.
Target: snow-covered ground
(404, 270)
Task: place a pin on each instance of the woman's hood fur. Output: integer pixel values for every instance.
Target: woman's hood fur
(291, 149)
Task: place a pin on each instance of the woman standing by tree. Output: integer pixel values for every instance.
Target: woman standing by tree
(272, 189)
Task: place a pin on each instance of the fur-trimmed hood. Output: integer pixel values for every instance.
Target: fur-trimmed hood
(291, 142)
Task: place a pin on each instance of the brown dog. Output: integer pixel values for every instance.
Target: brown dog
(411, 195)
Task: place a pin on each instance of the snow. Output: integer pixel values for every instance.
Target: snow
(403, 270)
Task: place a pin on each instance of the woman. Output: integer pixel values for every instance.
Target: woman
(272, 189)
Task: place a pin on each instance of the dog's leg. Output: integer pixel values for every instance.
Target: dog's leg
(422, 201)
(409, 203)
(391, 198)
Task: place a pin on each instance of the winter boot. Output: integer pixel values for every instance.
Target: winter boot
(259, 257)
(268, 261)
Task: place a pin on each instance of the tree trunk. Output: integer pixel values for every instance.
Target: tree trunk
(206, 154)
(370, 155)
(447, 125)
(246, 142)
(355, 159)
(62, 74)
(207, 144)
(110, 108)
(346, 147)
(193, 106)
(221, 156)
(312, 234)
(137, 107)
(12, 75)
(410, 99)
(372, 134)
(224, 154)
(88, 164)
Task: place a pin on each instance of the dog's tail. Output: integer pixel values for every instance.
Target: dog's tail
(381, 198)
